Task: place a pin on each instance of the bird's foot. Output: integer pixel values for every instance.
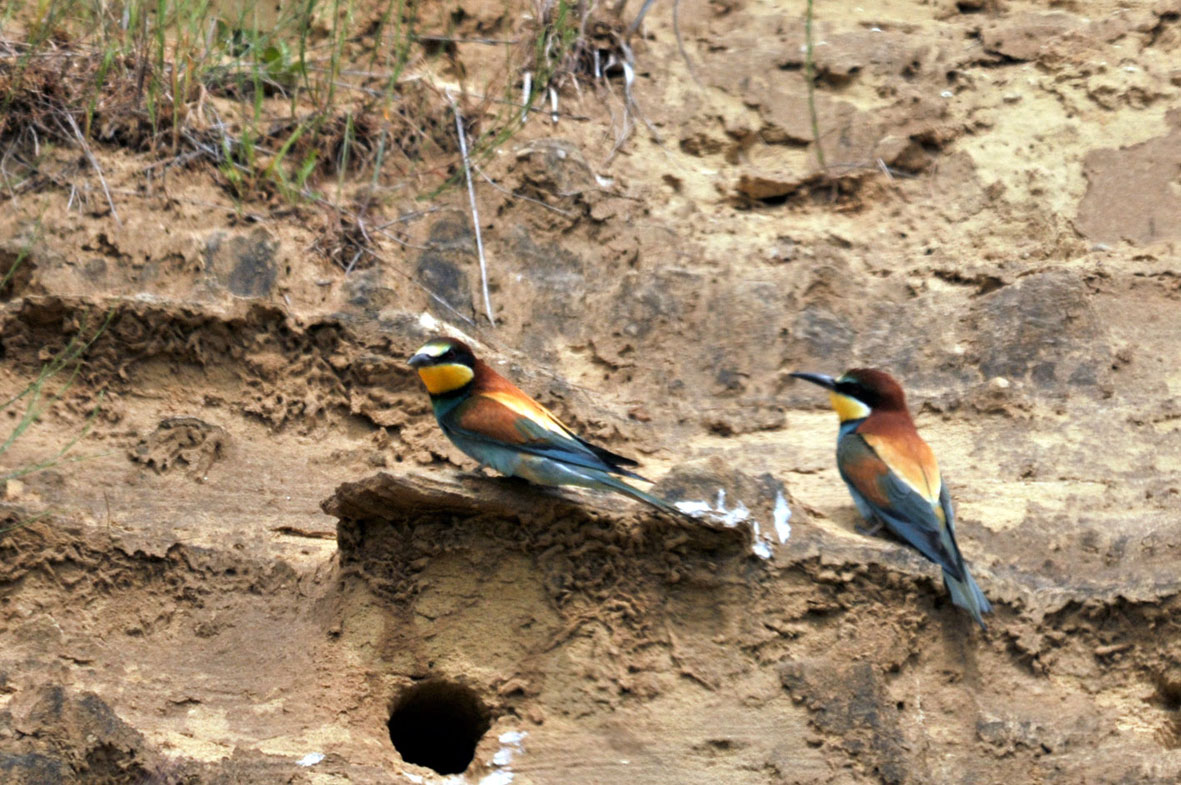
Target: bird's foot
(870, 530)
(480, 473)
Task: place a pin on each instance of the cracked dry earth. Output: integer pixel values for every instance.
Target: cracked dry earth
(270, 549)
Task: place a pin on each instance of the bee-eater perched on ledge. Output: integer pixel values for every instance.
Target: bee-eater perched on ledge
(492, 421)
(893, 477)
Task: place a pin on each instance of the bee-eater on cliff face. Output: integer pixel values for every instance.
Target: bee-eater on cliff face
(893, 477)
(492, 421)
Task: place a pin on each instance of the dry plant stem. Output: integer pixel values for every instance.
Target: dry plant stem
(471, 193)
(629, 80)
(810, 78)
(437, 298)
(94, 162)
(526, 92)
(681, 42)
(380, 229)
(635, 25)
(516, 195)
(460, 40)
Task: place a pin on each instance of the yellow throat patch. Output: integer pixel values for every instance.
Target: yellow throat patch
(440, 379)
(848, 408)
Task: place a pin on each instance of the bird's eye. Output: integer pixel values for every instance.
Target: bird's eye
(449, 354)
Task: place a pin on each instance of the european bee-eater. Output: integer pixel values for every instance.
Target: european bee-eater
(494, 422)
(893, 477)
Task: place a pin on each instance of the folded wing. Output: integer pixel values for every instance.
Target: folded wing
(516, 421)
(914, 514)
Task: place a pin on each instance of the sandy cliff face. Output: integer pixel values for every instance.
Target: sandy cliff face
(270, 547)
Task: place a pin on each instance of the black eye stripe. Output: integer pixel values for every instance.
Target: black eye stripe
(859, 391)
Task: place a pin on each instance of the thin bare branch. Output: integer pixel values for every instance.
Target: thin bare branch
(516, 195)
(635, 25)
(447, 39)
(94, 162)
(810, 78)
(681, 42)
(526, 94)
(471, 192)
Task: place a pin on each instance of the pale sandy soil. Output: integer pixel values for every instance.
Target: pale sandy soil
(1000, 231)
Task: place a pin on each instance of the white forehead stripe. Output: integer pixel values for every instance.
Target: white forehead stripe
(435, 348)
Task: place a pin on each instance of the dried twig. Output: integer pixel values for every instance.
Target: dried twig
(381, 230)
(516, 195)
(810, 78)
(629, 80)
(94, 162)
(635, 25)
(451, 39)
(437, 298)
(681, 42)
(526, 95)
(471, 193)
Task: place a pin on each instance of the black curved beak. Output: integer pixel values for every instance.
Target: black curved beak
(421, 359)
(827, 382)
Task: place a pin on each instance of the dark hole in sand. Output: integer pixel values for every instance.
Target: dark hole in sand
(437, 724)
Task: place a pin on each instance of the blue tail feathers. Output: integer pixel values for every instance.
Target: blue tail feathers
(636, 493)
(966, 594)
